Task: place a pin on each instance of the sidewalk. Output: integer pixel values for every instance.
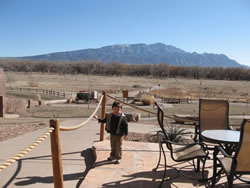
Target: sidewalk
(35, 169)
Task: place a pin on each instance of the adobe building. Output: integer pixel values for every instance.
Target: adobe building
(2, 91)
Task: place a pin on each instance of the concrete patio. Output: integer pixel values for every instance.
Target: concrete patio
(136, 169)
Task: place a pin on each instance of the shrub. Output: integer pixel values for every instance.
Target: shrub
(175, 133)
(147, 99)
(136, 86)
(34, 84)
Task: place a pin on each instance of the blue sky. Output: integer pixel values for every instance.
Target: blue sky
(32, 27)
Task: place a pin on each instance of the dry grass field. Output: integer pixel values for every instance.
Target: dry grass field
(170, 87)
(221, 89)
(78, 82)
(175, 88)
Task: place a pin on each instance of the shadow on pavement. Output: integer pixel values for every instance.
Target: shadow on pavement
(19, 167)
(152, 179)
(89, 161)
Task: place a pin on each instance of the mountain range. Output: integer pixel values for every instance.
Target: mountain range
(140, 54)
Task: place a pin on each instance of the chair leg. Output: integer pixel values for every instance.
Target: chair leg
(165, 167)
(214, 173)
(203, 170)
(198, 165)
(230, 180)
(160, 150)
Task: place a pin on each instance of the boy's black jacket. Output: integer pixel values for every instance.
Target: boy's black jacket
(114, 125)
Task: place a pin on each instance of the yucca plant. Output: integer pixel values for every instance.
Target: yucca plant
(174, 133)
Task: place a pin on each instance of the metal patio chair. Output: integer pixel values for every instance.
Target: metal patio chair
(239, 163)
(213, 114)
(178, 152)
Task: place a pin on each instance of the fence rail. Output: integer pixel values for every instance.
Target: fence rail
(176, 100)
(41, 91)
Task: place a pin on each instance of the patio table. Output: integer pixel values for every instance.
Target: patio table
(219, 136)
(228, 139)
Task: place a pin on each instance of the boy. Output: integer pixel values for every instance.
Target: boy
(117, 126)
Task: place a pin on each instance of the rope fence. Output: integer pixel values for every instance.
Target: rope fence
(54, 132)
(40, 139)
(85, 122)
(150, 112)
(19, 155)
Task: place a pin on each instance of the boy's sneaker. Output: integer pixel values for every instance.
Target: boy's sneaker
(117, 161)
(110, 158)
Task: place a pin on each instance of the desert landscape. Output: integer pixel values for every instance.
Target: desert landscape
(177, 88)
(124, 94)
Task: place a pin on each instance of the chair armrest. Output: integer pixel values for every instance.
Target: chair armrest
(220, 149)
(180, 144)
(191, 144)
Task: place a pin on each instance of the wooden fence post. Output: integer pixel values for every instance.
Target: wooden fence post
(103, 115)
(56, 154)
(1, 106)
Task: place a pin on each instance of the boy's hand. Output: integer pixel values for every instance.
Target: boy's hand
(96, 117)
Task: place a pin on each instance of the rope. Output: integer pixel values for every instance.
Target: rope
(150, 112)
(133, 106)
(85, 122)
(19, 155)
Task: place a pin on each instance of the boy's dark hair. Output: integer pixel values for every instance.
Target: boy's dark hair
(116, 104)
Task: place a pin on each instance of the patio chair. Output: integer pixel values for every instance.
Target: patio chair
(178, 152)
(213, 114)
(239, 163)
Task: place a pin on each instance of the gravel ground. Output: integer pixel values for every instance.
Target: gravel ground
(141, 137)
(11, 130)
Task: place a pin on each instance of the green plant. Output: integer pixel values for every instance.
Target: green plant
(175, 133)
